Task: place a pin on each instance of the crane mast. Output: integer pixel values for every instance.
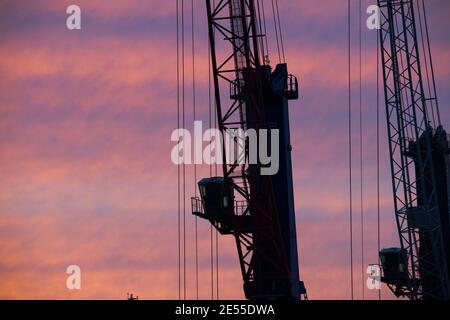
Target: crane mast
(419, 157)
(257, 209)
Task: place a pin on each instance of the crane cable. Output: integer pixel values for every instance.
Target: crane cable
(181, 171)
(216, 231)
(431, 62)
(350, 148)
(378, 154)
(363, 275)
(275, 22)
(178, 167)
(264, 24)
(194, 109)
(260, 31)
(425, 60)
(280, 31)
(183, 86)
(211, 250)
(428, 61)
(184, 164)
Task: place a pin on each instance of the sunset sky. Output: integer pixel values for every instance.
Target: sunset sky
(85, 171)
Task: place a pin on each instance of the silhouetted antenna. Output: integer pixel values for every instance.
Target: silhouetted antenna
(130, 297)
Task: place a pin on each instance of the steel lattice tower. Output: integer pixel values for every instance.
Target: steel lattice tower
(419, 163)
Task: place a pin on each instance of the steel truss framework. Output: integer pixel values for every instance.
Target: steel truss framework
(413, 178)
(235, 21)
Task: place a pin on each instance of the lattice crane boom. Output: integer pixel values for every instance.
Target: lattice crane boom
(419, 157)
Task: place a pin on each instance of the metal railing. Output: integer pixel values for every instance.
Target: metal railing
(292, 83)
(240, 207)
(197, 206)
(236, 88)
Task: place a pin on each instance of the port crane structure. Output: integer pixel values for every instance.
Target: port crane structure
(419, 156)
(257, 209)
